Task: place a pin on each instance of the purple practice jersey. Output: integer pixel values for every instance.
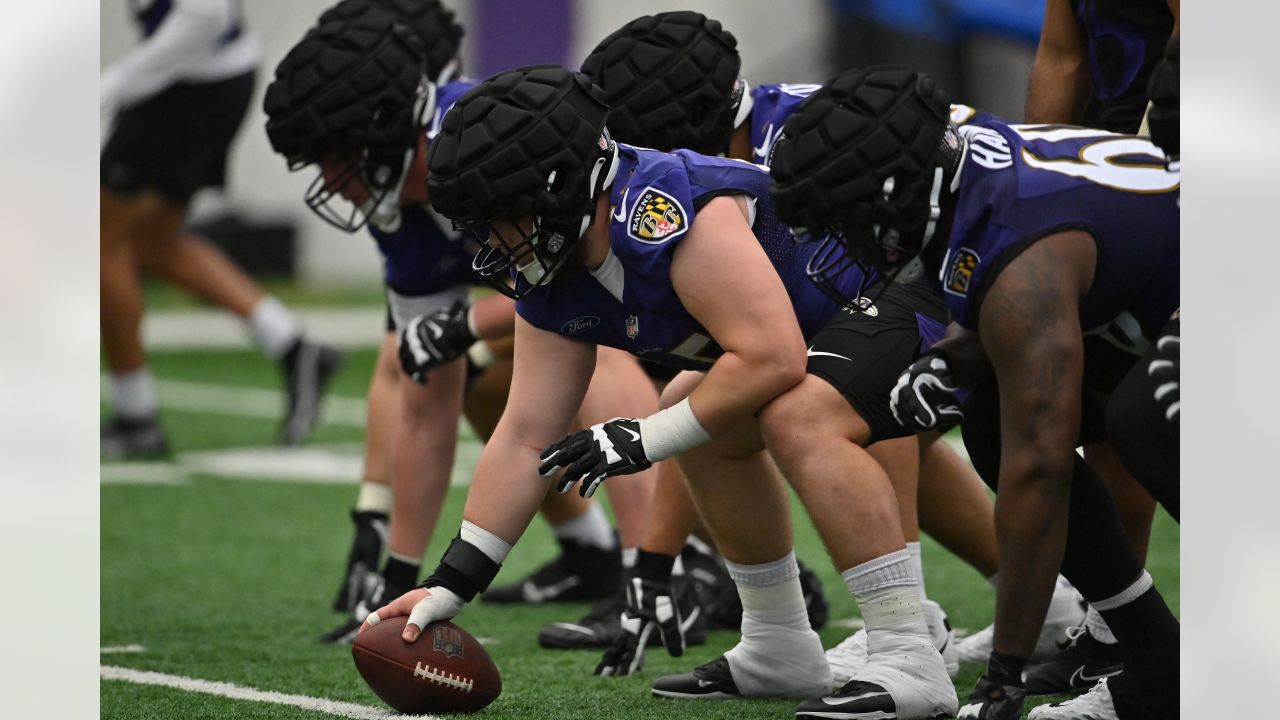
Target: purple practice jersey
(629, 302)
(771, 105)
(1020, 183)
(426, 256)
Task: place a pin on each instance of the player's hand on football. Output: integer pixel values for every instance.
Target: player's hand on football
(603, 450)
(651, 605)
(431, 340)
(925, 396)
(1166, 374)
(423, 606)
(991, 700)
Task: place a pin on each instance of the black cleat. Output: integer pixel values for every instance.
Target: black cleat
(993, 701)
(712, 681)
(363, 560)
(128, 439)
(1078, 666)
(599, 628)
(580, 572)
(308, 367)
(815, 601)
(856, 700)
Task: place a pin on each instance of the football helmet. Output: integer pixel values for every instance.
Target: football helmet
(671, 81)
(861, 167)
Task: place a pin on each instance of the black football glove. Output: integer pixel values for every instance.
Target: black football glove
(603, 450)
(992, 701)
(925, 396)
(431, 340)
(651, 603)
(1165, 372)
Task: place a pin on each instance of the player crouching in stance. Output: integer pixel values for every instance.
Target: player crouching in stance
(1042, 233)
(679, 258)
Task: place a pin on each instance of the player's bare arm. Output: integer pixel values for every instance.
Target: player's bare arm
(738, 303)
(1030, 327)
(1060, 85)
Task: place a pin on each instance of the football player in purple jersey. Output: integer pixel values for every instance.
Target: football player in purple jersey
(1038, 236)
(679, 258)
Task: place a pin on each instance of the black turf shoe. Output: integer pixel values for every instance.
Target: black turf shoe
(129, 439)
(815, 601)
(1078, 666)
(580, 572)
(308, 368)
(857, 699)
(993, 701)
(712, 681)
(600, 627)
(363, 560)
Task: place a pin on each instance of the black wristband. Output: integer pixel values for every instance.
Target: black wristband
(464, 569)
(654, 567)
(1005, 669)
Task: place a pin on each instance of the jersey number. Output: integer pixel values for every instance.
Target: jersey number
(1123, 162)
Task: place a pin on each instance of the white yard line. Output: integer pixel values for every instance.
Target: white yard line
(237, 692)
(113, 649)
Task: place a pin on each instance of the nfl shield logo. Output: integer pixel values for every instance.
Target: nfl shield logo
(633, 327)
(447, 640)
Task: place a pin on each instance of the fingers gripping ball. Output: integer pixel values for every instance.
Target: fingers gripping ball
(445, 670)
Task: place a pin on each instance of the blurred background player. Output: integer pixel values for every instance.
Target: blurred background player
(370, 143)
(673, 81)
(173, 106)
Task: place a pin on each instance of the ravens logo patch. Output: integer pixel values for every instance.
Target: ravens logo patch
(656, 217)
(960, 274)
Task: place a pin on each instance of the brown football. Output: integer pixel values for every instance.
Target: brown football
(445, 670)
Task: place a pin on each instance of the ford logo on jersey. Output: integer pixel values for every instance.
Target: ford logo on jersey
(577, 325)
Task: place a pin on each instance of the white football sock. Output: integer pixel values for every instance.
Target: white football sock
(629, 555)
(917, 561)
(133, 395)
(274, 328)
(888, 595)
(374, 497)
(779, 654)
(591, 528)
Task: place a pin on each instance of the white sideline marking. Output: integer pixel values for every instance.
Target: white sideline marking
(142, 473)
(237, 692)
(112, 649)
(207, 328)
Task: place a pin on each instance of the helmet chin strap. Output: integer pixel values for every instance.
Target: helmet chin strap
(535, 272)
(744, 104)
(914, 269)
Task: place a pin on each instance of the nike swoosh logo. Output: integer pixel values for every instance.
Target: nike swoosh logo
(1079, 679)
(635, 436)
(621, 215)
(535, 594)
(688, 622)
(819, 353)
(843, 700)
(764, 146)
(705, 683)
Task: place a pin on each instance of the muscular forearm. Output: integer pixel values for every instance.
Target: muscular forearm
(1031, 534)
(735, 388)
(506, 489)
(963, 348)
(1058, 92)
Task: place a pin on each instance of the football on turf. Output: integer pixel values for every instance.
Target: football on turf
(444, 671)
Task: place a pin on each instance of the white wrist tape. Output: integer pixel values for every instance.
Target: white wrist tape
(486, 542)
(471, 322)
(481, 354)
(671, 431)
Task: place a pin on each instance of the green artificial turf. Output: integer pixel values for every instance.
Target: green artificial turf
(231, 579)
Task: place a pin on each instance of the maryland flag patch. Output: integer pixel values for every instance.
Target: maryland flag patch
(960, 274)
(656, 217)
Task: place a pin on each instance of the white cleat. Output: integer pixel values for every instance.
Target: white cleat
(1066, 611)
(1093, 705)
(850, 656)
(904, 678)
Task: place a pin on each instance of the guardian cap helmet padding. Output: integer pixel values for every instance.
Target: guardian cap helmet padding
(357, 91)
(864, 161)
(526, 143)
(671, 81)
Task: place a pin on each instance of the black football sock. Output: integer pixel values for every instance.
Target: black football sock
(400, 576)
